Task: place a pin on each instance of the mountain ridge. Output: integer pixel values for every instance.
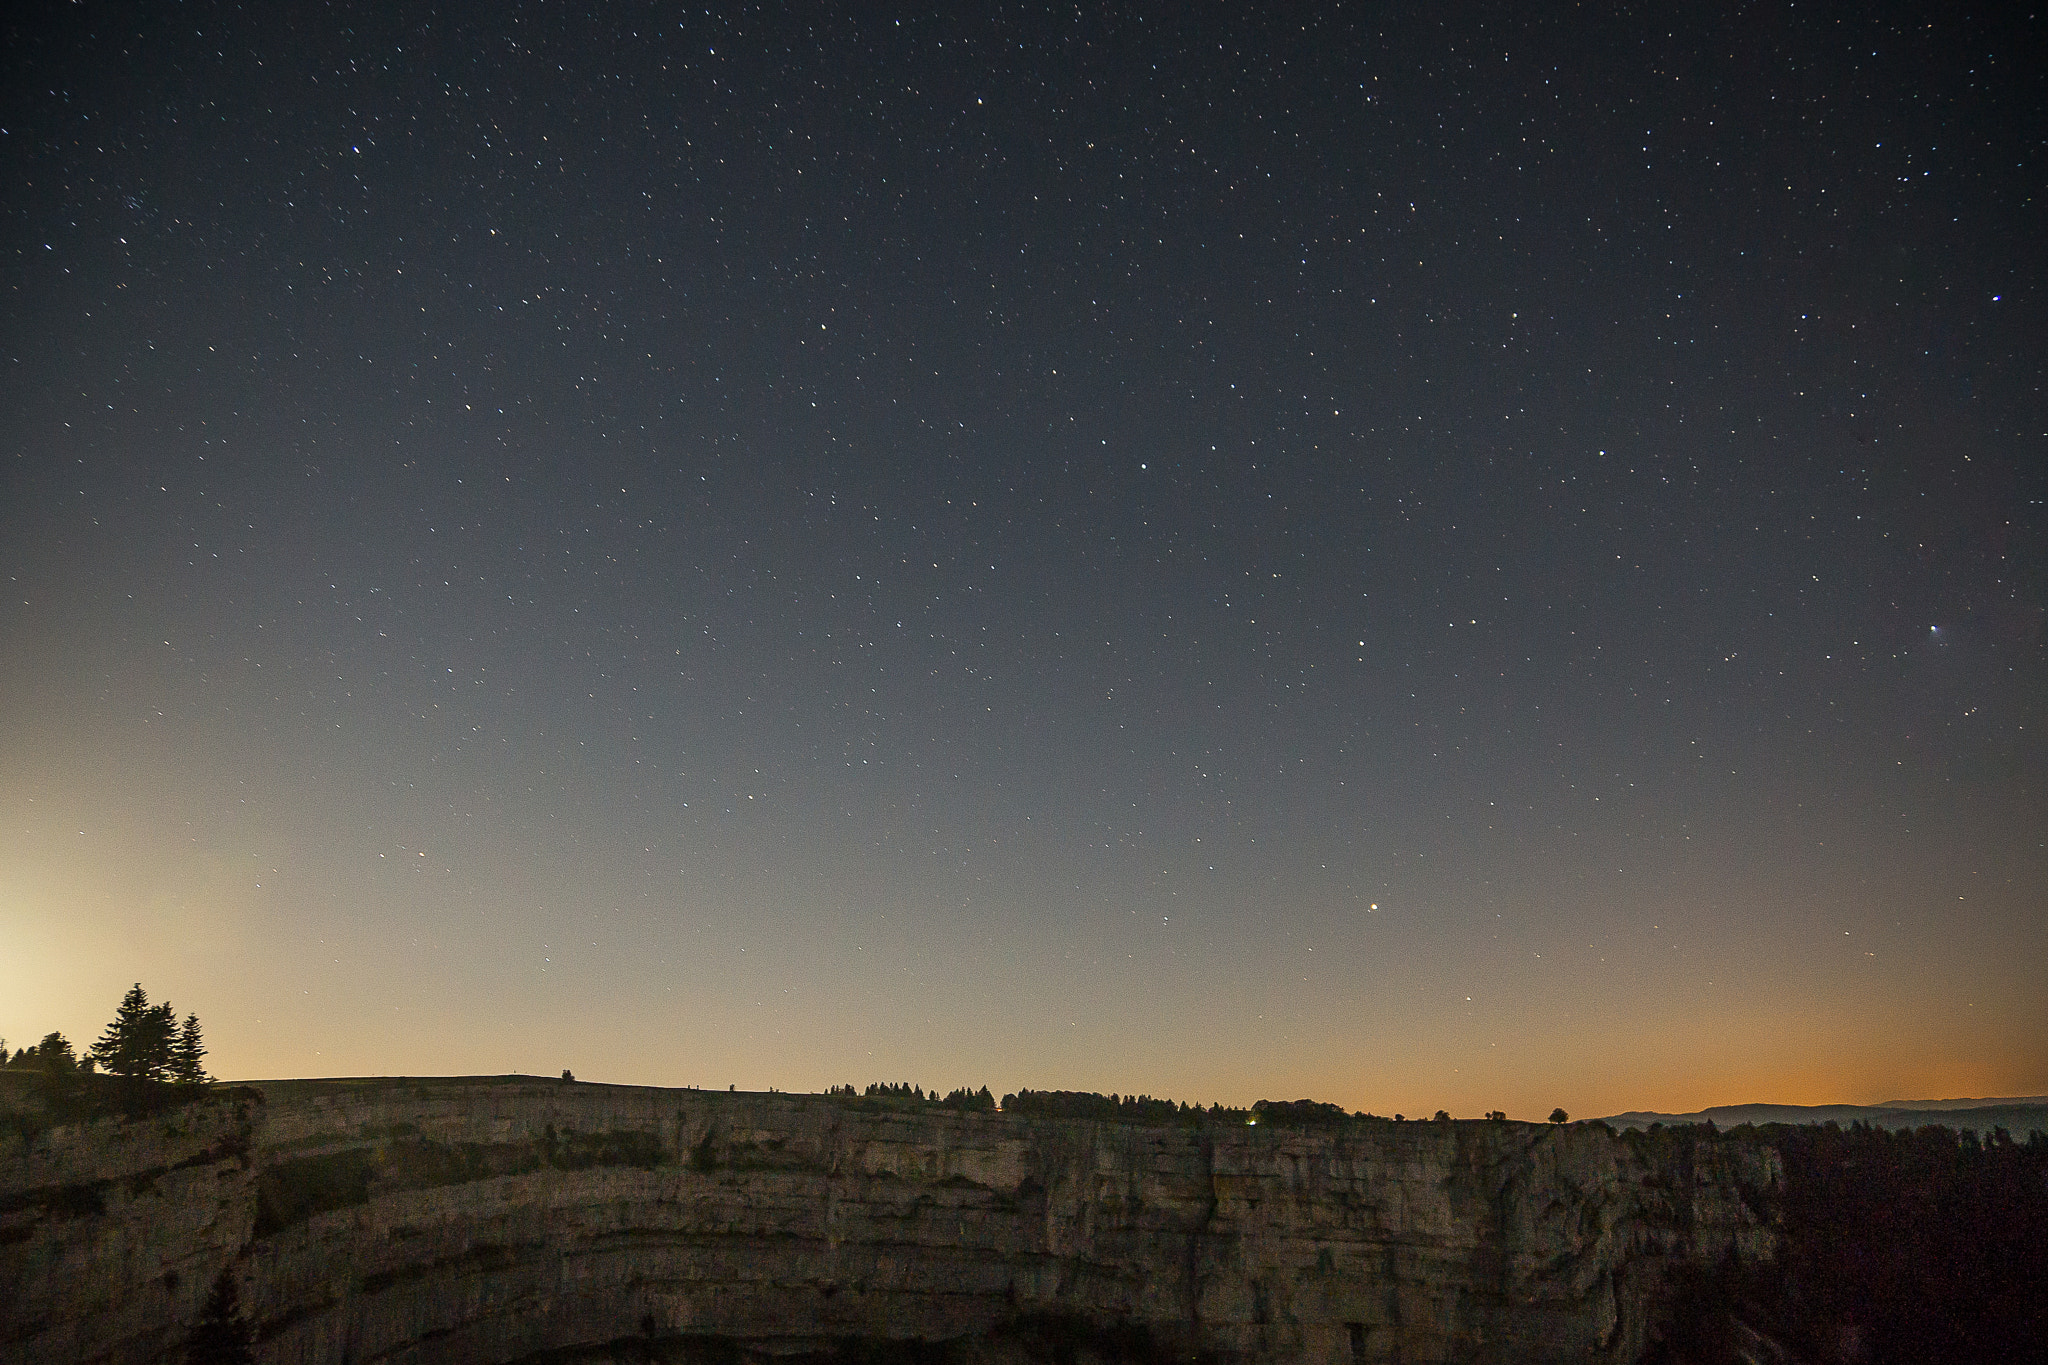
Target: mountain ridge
(2019, 1115)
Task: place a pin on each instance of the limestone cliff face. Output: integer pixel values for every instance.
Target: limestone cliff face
(501, 1220)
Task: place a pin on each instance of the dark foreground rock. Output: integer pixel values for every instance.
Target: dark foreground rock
(507, 1219)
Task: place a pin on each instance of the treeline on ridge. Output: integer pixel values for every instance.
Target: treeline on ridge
(970, 1101)
(1143, 1110)
(1150, 1112)
(1112, 1108)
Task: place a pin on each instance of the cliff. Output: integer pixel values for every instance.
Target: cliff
(510, 1219)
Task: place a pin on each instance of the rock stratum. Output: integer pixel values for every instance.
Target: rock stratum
(511, 1219)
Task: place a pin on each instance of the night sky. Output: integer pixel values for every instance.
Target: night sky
(1484, 557)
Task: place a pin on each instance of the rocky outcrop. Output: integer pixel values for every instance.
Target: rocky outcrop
(511, 1219)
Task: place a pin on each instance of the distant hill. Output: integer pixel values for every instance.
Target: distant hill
(1963, 1104)
(2018, 1115)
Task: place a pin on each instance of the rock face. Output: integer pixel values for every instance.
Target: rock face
(498, 1220)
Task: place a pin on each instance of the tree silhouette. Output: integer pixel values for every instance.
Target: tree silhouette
(52, 1055)
(1559, 1116)
(186, 1053)
(221, 1337)
(139, 1043)
(974, 1101)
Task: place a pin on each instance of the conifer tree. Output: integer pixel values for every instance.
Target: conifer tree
(221, 1336)
(119, 1050)
(138, 1043)
(53, 1054)
(186, 1068)
(163, 1042)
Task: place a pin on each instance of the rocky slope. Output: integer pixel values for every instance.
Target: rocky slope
(512, 1219)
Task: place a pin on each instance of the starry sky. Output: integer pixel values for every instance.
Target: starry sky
(1472, 556)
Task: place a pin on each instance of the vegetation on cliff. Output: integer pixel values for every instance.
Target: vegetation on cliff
(144, 1060)
(144, 1042)
(1143, 1110)
(221, 1336)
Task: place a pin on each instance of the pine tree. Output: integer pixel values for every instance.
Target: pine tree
(138, 1043)
(221, 1337)
(53, 1055)
(186, 1054)
(162, 1042)
(119, 1049)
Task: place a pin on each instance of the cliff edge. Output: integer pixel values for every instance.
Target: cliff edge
(512, 1219)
